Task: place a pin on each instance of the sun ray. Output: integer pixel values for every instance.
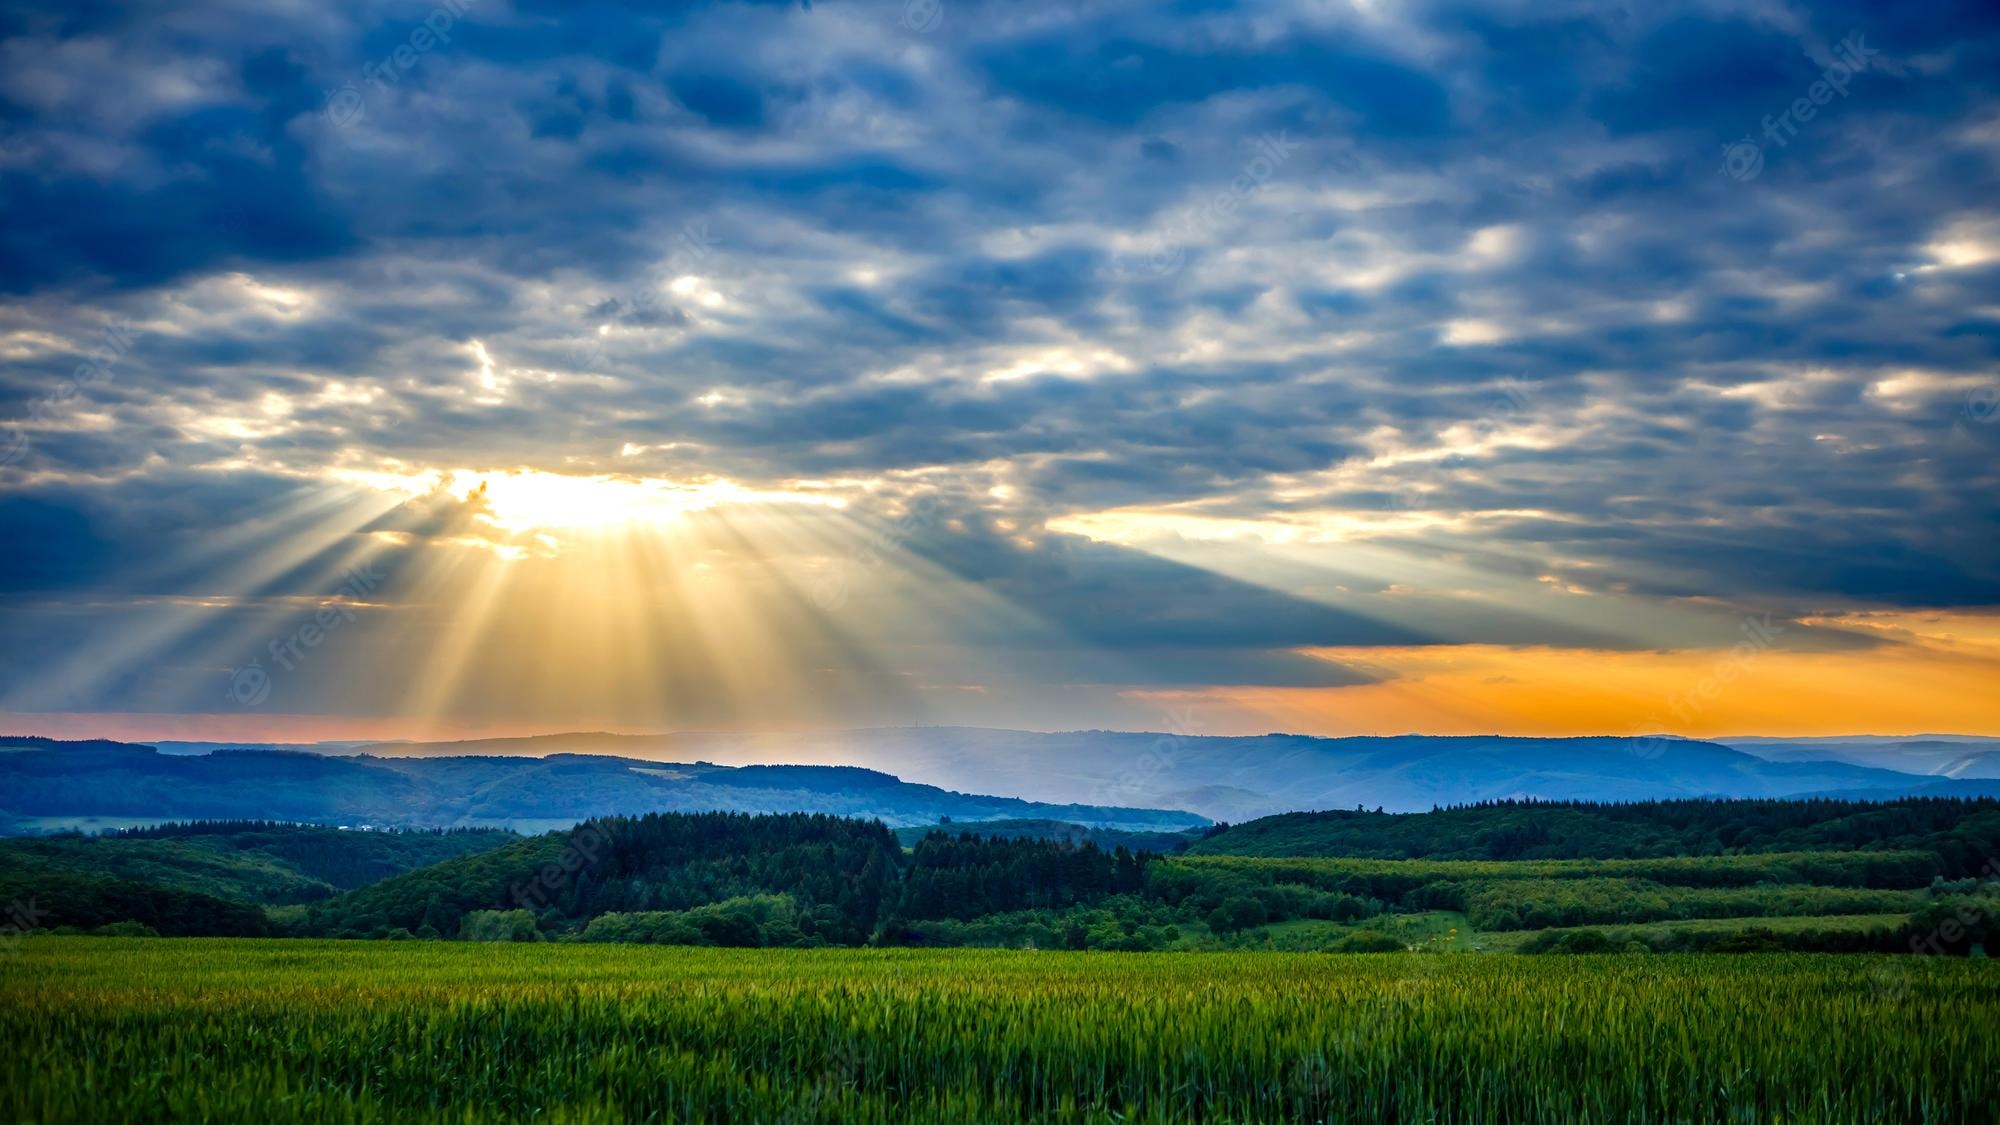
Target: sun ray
(313, 525)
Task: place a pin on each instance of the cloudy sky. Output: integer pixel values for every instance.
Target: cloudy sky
(393, 369)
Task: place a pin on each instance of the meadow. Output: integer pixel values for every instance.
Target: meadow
(267, 1030)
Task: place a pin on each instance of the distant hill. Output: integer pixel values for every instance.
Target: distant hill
(1240, 778)
(1942, 755)
(39, 779)
(1220, 778)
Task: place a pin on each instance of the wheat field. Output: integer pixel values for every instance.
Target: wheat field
(231, 1030)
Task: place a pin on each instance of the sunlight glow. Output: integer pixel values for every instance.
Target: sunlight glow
(526, 500)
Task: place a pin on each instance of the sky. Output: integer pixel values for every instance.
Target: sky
(403, 370)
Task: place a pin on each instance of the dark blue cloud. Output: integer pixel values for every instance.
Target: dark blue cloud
(719, 99)
(1110, 75)
(1049, 259)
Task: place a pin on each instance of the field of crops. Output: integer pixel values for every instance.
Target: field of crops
(221, 1030)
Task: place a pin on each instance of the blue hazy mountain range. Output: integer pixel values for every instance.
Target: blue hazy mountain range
(1114, 772)
(46, 784)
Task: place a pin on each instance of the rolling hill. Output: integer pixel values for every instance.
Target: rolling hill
(41, 779)
(916, 775)
(268, 864)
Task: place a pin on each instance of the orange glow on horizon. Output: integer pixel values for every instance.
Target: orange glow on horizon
(1936, 675)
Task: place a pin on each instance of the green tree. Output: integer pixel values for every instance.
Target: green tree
(499, 925)
(1237, 912)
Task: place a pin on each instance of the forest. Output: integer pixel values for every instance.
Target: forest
(1757, 874)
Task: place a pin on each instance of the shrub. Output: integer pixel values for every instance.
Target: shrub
(1753, 940)
(1571, 941)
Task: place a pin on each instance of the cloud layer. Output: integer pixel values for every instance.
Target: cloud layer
(1205, 335)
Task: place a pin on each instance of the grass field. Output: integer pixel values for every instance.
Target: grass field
(218, 1030)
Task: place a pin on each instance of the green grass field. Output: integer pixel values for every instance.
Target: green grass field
(221, 1030)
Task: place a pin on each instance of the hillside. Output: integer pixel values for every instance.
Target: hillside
(782, 879)
(43, 780)
(728, 879)
(269, 864)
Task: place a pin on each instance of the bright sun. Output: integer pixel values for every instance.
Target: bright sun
(526, 500)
